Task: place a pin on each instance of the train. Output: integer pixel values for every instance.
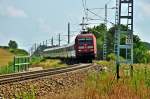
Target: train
(83, 48)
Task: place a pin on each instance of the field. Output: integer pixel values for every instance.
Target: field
(5, 57)
(47, 63)
(103, 85)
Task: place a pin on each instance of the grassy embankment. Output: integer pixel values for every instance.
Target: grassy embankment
(47, 63)
(103, 85)
(6, 58)
(7, 55)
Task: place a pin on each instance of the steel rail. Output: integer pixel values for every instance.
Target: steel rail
(32, 72)
(42, 73)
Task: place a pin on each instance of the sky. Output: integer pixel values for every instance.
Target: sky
(33, 21)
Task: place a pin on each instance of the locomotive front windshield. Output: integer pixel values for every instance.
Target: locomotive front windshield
(88, 41)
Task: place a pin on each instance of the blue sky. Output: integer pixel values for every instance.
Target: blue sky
(32, 21)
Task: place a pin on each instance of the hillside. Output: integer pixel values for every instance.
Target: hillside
(5, 56)
(147, 45)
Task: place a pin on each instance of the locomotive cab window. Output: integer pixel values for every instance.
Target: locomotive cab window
(88, 41)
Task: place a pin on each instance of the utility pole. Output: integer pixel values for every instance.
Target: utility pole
(31, 51)
(117, 40)
(59, 39)
(68, 32)
(46, 42)
(105, 36)
(52, 42)
(35, 46)
(43, 42)
(40, 44)
(128, 46)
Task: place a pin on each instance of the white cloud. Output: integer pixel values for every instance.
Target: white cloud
(12, 11)
(15, 12)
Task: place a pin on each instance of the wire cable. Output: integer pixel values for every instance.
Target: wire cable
(100, 17)
(84, 4)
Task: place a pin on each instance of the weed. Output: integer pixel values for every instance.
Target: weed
(7, 69)
(31, 94)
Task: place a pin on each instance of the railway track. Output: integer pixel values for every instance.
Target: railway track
(9, 78)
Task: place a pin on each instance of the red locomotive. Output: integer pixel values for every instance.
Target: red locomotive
(85, 46)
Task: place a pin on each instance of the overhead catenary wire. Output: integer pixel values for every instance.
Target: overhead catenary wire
(84, 19)
(102, 8)
(101, 18)
(84, 8)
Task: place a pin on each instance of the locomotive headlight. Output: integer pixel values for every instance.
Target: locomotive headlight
(79, 50)
(90, 47)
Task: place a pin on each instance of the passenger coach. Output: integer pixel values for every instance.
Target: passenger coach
(84, 48)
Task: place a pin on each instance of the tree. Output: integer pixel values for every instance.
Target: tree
(140, 48)
(12, 44)
(99, 31)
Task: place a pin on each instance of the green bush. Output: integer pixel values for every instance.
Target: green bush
(36, 60)
(19, 52)
(7, 69)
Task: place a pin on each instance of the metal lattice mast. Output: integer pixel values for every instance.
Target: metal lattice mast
(129, 32)
(117, 38)
(105, 36)
(128, 46)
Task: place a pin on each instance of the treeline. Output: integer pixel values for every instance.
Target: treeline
(141, 49)
(13, 48)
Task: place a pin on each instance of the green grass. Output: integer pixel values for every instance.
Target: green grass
(106, 86)
(36, 60)
(7, 55)
(30, 94)
(7, 69)
(19, 52)
(47, 63)
(103, 85)
(6, 58)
